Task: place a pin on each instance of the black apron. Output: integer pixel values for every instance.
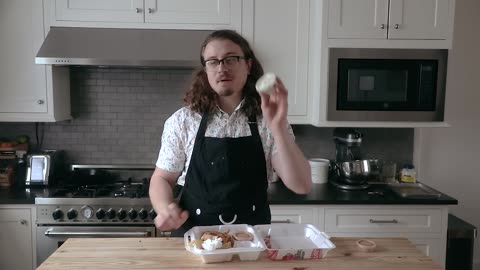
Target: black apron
(226, 181)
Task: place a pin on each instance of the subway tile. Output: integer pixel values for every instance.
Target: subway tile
(115, 106)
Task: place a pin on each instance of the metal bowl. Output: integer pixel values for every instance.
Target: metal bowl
(355, 171)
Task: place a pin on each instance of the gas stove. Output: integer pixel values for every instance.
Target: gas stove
(117, 201)
(126, 189)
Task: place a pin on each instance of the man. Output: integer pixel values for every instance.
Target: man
(224, 145)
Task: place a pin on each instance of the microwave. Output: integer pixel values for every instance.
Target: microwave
(386, 84)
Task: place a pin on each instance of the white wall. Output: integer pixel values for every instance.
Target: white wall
(449, 158)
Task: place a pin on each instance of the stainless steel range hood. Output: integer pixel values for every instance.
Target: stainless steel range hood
(121, 47)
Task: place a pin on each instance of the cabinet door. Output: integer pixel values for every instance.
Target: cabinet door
(22, 83)
(357, 19)
(413, 19)
(16, 239)
(280, 41)
(429, 247)
(99, 10)
(213, 12)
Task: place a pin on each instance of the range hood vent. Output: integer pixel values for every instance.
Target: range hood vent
(122, 47)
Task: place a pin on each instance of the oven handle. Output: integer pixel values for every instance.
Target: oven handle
(102, 234)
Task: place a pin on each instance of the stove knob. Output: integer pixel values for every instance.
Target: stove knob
(111, 213)
(100, 213)
(86, 211)
(121, 214)
(152, 214)
(57, 214)
(143, 214)
(71, 214)
(132, 214)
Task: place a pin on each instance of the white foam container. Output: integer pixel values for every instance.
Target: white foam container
(246, 250)
(294, 241)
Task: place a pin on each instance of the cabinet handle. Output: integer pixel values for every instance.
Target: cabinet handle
(282, 221)
(23, 222)
(150, 10)
(40, 101)
(138, 10)
(396, 26)
(383, 221)
(382, 26)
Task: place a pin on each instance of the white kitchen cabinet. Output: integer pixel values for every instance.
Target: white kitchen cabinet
(26, 89)
(155, 14)
(390, 19)
(17, 237)
(297, 214)
(281, 43)
(425, 226)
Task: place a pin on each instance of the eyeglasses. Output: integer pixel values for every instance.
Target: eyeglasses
(228, 62)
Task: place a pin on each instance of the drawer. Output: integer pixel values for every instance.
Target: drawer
(380, 220)
(292, 214)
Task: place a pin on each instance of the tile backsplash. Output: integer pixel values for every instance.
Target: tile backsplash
(119, 115)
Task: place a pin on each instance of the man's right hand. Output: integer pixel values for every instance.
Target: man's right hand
(170, 217)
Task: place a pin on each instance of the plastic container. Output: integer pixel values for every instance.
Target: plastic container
(408, 174)
(319, 169)
(294, 241)
(265, 83)
(246, 250)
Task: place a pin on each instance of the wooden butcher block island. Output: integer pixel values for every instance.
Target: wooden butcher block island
(170, 253)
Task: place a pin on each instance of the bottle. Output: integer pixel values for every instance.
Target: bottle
(408, 174)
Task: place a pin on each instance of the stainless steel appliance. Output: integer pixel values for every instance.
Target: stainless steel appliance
(351, 170)
(386, 85)
(45, 168)
(119, 207)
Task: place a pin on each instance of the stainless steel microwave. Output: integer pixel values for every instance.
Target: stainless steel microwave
(386, 84)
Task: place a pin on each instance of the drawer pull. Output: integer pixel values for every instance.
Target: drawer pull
(282, 221)
(383, 221)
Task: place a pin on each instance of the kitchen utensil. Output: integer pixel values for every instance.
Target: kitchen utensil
(375, 170)
(414, 191)
(389, 172)
(355, 171)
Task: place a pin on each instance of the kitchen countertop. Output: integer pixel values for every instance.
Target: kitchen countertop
(327, 194)
(278, 194)
(16, 195)
(170, 253)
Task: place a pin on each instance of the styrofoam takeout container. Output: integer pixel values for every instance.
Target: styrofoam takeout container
(246, 250)
(294, 241)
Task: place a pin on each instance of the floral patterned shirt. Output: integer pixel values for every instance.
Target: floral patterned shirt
(180, 130)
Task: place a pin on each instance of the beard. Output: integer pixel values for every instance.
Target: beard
(225, 92)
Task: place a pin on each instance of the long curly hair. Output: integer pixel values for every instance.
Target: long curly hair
(200, 96)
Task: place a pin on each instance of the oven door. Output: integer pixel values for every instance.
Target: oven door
(49, 238)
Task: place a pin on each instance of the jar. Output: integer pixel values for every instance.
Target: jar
(408, 174)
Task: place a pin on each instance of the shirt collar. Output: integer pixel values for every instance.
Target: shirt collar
(219, 112)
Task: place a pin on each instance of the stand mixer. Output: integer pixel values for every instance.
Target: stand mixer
(351, 170)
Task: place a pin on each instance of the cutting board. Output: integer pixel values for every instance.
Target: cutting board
(169, 253)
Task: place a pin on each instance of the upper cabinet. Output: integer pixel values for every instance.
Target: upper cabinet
(281, 42)
(154, 14)
(26, 89)
(399, 23)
